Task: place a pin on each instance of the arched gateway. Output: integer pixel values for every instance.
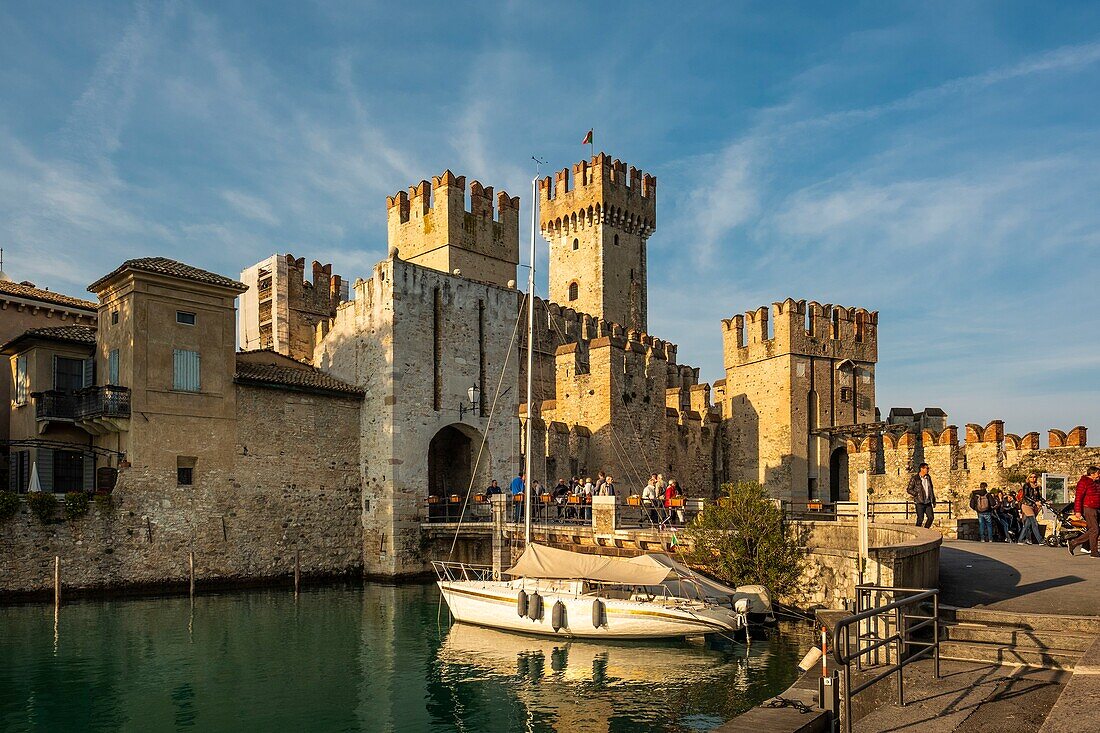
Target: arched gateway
(452, 454)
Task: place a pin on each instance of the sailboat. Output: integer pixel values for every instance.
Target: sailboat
(556, 592)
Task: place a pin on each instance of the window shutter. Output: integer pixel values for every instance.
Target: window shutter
(185, 376)
(13, 471)
(21, 380)
(89, 372)
(112, 367)
(89, 472)
(45, 468)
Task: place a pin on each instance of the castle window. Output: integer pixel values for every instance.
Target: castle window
(574, 291)
(845, 394)
(576, 243)
(185, 470)
(616, 240)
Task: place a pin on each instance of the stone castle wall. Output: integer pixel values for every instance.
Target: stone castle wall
(293, 488)
(988, 455)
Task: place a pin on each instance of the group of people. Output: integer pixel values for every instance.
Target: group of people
(656, 494)
(1015, 513)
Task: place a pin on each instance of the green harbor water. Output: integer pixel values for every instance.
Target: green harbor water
(367, 657)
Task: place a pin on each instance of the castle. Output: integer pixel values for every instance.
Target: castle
(348, 409)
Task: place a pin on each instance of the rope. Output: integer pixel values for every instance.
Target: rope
(485, 436)
(786, 702)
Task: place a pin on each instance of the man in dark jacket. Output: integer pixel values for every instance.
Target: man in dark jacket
(922, 492)
(982, 502)
(1086, 504)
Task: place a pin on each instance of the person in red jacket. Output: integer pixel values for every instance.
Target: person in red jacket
(1086, 504)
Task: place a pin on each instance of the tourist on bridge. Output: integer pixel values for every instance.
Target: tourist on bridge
(1031, 498)
(517, 490)
(649, 500)
(1007, 514)
(561, 496)
(494, 489)
(1086, 504)
(981, 501)
(923, 493)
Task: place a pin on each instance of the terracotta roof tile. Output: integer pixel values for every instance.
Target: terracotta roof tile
(84, 335)
(305, 378)
(165, 266)
(30, 292)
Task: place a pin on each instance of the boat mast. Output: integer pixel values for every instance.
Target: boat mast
(530, 366)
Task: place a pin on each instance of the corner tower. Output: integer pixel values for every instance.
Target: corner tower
(798, 376)
(597, 225)
(446, 236)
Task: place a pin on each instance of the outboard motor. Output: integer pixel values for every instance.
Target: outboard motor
(521, 604)
(599, 615)
(558, 616)
(534, 607)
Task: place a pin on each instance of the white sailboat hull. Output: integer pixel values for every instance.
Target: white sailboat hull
(495, 604)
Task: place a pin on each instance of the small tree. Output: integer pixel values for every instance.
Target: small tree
(76, 504)
(9, 504)
(744, 540)
(43, 505)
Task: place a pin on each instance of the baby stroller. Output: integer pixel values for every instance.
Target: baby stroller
(1064, 528)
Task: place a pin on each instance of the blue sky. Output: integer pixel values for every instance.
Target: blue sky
(937, 162)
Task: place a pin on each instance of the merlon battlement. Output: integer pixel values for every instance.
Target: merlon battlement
(451, 189)
(600, 191)
(600, 171)
(800, 327)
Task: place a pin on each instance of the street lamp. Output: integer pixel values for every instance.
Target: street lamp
(474, 395)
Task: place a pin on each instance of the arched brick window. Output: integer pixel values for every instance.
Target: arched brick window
(576, 243)
(574, 291)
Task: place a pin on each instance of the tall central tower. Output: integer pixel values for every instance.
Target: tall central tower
(597, 225)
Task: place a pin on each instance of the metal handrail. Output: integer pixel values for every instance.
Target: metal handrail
(901, 638)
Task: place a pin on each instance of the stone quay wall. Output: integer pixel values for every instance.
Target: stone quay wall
(293, 489)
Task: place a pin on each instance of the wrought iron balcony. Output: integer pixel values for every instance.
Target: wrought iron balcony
(54, 404)
(107, 401)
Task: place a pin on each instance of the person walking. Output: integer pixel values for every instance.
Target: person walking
(981, 502)
(1086, 503)
(1031, 498)
(923, 493)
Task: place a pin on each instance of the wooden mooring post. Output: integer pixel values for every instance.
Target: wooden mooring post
(56, 581)
(297, 570)
(191, 569)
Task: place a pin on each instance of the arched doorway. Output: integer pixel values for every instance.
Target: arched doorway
(838, 475)
(451, 457)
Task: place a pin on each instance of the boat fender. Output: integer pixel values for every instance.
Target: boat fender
(521, 604)
(558, 615)
(598, 615)
(534, 607)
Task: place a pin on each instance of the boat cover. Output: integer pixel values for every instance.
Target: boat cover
(540, 561)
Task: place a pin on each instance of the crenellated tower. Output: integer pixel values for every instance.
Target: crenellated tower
(597, 223)
(797, 375)
(431, 226)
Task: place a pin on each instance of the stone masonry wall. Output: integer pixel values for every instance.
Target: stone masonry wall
(293, 487)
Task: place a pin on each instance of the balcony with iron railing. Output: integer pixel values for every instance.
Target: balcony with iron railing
(103, 409)
(53, 405)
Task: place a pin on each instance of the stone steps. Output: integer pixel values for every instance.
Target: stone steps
(1017, 637)
(1009, 654)
(1033, 622)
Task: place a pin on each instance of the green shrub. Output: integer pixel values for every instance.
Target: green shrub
(105, 503)
(744, 540)
(43, 505)
(76, 504)
(9, 504)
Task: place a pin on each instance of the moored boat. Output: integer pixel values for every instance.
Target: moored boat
(555, 592)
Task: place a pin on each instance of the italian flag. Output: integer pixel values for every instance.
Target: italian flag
(587, 138)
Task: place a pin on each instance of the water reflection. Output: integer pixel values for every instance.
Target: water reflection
(356, 658)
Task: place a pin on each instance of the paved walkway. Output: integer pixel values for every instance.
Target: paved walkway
(969, 697)
(1028, 578)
